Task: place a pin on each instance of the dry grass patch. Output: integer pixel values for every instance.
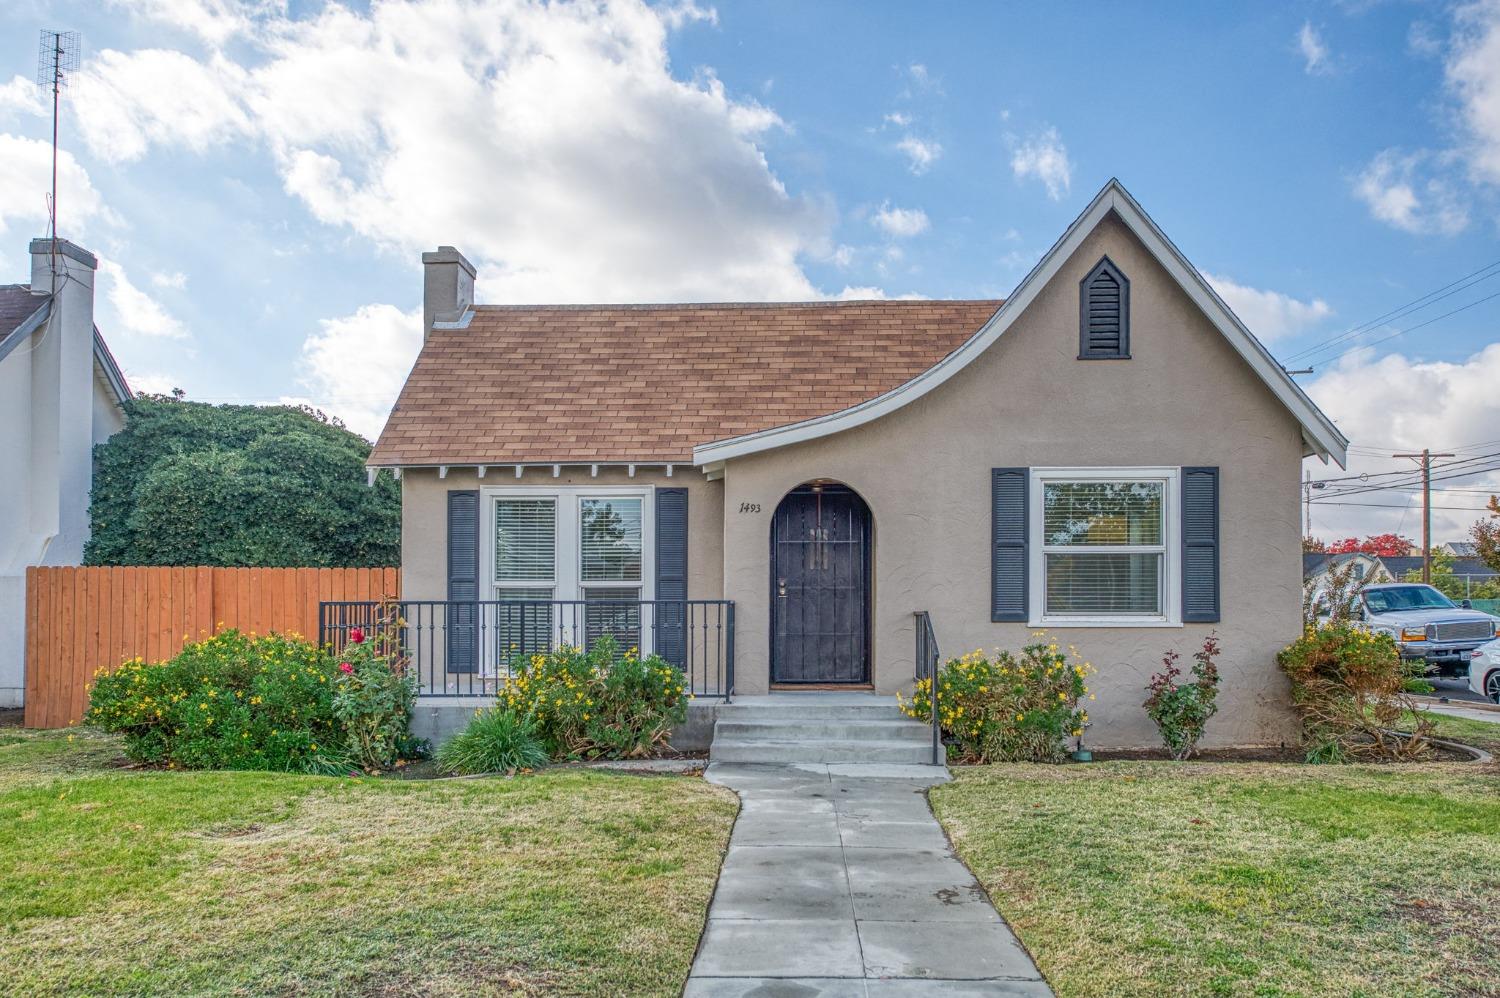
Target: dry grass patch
(257, 883)
(1169, 879)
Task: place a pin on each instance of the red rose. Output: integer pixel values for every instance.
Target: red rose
(357, 636)
(345, 668)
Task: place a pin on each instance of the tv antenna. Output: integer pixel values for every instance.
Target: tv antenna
(56, 62)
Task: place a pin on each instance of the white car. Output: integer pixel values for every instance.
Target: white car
(1484, 670)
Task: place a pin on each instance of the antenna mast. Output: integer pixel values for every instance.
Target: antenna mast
(57, 60)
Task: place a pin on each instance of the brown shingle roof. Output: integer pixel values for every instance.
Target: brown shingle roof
(646, 383)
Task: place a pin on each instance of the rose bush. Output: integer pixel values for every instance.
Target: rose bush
(374, 695)
(1180, 711)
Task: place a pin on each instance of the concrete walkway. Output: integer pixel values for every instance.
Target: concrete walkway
(839, 883)
(1471, 712)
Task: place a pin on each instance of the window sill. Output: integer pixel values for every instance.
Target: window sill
(1100, 622)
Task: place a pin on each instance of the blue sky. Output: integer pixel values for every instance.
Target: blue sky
(260, 179)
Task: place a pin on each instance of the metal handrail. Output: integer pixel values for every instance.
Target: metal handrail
(926, 667)
(459, 648)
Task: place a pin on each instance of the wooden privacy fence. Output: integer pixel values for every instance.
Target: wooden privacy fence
(79, 619)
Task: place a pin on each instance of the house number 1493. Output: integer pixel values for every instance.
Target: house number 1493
(749, 507)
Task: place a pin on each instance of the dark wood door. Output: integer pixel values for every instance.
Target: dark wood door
(820, 587)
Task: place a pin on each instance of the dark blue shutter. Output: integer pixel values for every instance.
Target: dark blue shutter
(1200, 545)
(463, 580)
(1009, 489)
(671, 575)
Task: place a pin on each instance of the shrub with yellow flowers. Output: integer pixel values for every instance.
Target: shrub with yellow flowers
(230, 701)
(1005, 707)
(596, 703)
(1350, 687)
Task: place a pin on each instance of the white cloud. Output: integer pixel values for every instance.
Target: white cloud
(128, 102)
(26, 180)
(1270, 315)
(920, 153)
(902, 223)
(1314, 51)
(136, 312)
(625, 184)
(215, 21)
(151, 382)
(1473, 72)
(1045, 158)
(22, 96)
(898, 118)
(1409, 191)
(1396, 404)
(353, 367)
(175, 280)
(923, 79)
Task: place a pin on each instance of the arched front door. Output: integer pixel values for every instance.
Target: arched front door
(820, 586)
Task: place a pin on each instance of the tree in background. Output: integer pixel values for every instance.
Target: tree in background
(1486, 534)
(1312, 545)
(1455, 587)
(186, 483)
(1380, 545)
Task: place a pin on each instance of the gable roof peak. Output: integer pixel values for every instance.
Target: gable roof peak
(1321, 438)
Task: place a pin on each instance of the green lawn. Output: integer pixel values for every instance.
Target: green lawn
(132, 882)
(1228, 879)
(1483, 734)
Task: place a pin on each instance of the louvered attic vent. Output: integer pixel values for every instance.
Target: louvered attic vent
(1104, 314)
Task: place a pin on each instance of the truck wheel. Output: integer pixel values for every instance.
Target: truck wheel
(1492, 686)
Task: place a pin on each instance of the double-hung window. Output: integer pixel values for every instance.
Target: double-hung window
(570, 564)
(1104, 546)
(610, 532)
(525, 572)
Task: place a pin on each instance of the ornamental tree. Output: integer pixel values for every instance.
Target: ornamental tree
(1486, 534)
(1380, 545)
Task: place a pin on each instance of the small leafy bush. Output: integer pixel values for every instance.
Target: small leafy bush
(1349, 686)
(1180, 711)
(229, 702)
(374, 696)
(1007, 708)
(596, 703)
(495, 741)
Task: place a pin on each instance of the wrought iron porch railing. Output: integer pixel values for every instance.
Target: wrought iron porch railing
(927, 659)
(465, 648)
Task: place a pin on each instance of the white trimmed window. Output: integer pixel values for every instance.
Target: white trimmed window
(593, 547)
(1104, 548)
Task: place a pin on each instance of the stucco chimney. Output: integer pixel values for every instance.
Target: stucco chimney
(72, 261)
(447, 286)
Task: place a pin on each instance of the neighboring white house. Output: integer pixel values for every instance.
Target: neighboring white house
(60, 394)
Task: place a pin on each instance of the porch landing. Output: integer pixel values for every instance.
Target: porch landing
(819, 728)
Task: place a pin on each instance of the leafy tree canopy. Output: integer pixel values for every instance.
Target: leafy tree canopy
(186, 483)
(1381, 545)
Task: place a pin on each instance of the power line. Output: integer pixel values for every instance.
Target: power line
(1405, 505)
(1411, 476)
(1408, 329)
(1401, 311)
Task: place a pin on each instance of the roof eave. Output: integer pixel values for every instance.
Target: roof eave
(1321, 437)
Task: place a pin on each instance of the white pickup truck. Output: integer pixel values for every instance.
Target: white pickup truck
(1427, 625)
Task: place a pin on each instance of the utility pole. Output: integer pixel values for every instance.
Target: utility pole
(1426, 459)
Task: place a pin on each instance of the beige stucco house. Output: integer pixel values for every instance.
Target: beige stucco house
(1108, 455)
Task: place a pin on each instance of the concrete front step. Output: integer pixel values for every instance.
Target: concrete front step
(796, 728)
(819, 727)
(820, 751)
(808, 707)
